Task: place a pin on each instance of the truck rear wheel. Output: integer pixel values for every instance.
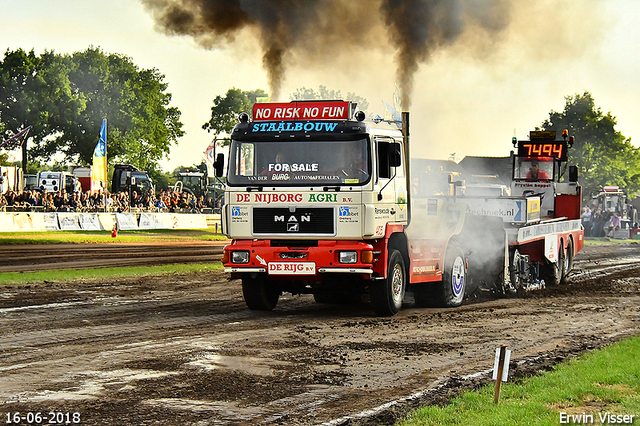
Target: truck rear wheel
(259, 293)
(454, 276)
(450, 292)
(387, 295)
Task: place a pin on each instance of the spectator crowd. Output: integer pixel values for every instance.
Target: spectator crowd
(61, 201)
(601, 223)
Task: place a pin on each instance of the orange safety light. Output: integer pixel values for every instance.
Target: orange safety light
(565, 133)
(366, 256)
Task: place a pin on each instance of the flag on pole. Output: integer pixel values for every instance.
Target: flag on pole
(209, 156)
(99, 169)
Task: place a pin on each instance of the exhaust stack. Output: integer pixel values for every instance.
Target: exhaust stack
(407, 154)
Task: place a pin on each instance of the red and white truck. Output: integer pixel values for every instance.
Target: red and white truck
(321, 201)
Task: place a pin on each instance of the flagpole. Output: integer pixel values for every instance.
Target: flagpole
(106, 168)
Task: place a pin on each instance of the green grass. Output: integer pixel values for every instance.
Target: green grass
(603, 381)
(78, 237)
(71, 275)
(64, 237)
(606, 241)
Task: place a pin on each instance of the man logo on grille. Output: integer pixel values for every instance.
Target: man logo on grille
(293, 227)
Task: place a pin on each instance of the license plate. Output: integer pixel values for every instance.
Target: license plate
(292, 268)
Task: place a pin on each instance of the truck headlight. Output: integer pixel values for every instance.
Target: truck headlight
(240, 256)
(348, 257)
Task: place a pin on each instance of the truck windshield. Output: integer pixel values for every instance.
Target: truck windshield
(299, 163)
(532, 169)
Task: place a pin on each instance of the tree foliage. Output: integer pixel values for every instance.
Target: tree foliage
(323, 93)
(603, 155)
(65, 98)
(225, 110)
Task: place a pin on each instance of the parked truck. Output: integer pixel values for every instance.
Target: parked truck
(318, 202)
(197, 183)
(58, 181)
(613, 199)
(127, 178)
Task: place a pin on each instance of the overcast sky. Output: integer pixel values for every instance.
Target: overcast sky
(467, 101)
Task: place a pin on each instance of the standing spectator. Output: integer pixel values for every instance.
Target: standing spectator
(48, 203)
(159, 204)
(10, 197)
(201, 203)
(586, 221)
(108, 201)
(4, 183)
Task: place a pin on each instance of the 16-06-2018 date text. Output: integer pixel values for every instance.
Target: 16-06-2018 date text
(42, 418)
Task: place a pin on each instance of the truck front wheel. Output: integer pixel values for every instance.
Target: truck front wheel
(387, 295)
(259, 293)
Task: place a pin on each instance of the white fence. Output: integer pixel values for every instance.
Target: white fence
(35, 221)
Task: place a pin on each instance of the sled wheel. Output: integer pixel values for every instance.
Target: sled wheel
(568, 262)
(553, 271)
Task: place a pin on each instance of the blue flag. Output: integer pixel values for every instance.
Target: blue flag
(99, 169)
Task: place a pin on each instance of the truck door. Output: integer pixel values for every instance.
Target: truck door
(390, 178)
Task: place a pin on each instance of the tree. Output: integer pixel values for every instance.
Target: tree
(323, 93)
(34, 91)
(225, 110)
(603, 155)
(66, 97)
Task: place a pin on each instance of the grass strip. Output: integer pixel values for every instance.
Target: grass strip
(91, 274)
(77, 237)
(585, 390)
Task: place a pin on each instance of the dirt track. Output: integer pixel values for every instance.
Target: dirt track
(185, 350)
(43, 257)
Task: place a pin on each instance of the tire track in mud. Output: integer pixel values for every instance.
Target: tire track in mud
(77, 256)
(184, 348)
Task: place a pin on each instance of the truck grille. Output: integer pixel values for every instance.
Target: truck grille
(302, 221)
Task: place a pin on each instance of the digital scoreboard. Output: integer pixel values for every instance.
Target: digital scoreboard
(543, 146)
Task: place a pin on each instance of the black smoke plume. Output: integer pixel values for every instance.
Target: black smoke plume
(323, 28)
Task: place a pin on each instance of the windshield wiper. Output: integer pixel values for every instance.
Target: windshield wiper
(331, 188)
(254, 188)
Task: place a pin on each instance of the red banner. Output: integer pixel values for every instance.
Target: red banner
(301, 110)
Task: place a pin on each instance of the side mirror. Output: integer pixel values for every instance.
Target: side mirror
(395, 157)
(218, 165)
(573, 173)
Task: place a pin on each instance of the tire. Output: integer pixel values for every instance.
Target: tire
(515, 272)
(554, 272)
(454, 279)
(568, 262)
(450, 292)
(386, 296)
(259, 293)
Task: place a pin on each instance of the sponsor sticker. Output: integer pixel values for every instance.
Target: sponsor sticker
(292, 268)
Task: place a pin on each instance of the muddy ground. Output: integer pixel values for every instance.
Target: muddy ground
(185, 350)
